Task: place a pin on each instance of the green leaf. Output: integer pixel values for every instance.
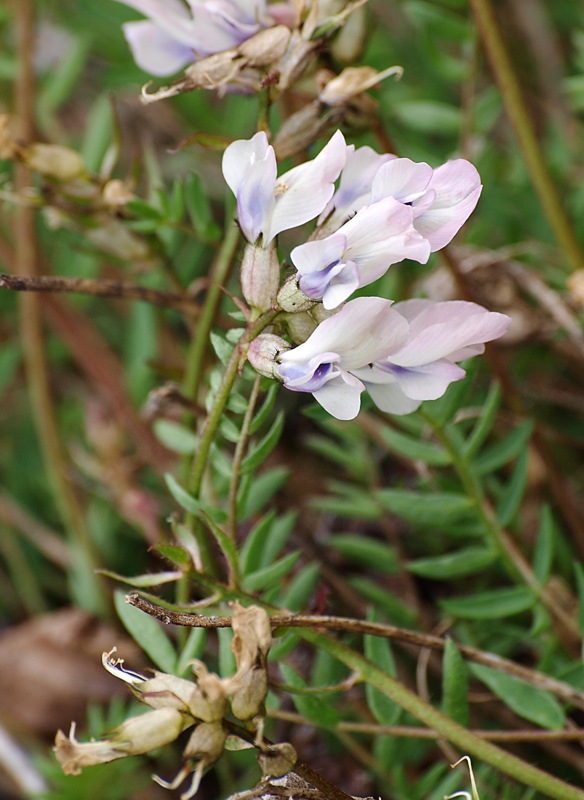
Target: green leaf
(193, 648)
(10, 356)
(301, 587)
(426, 510)
(490, 605)
(504, 451)
(455, 684)
(450, 566)
(173, 553)
(227, 665)
(427, 116)
(147, 632)
(510, 500)
(222, 348)
(378, 650)
(264, 410)
(230, 430)
(269, 576)
(413, 448)
(254, 494)
(143, 581)
(544, 547)
(351, 502)
(384, 600)
(484, 423)
(191, 504)
(260, 451)
(529, 702)
(251, 552)
(175, 437)
(379, 556)
(311, 706)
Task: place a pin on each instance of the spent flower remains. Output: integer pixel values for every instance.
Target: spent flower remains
(385, 209)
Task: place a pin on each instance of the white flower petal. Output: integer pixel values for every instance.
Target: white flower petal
(341, 397)
(389, 397)
(303, 192)
(429, 381)
(154, 50)
(401, 178)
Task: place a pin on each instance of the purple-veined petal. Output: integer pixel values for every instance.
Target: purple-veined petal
(401, 178)
(221, 26)
(318, 254)
(365, 330)
(458, 186)
(308, 376)
(303, 192)
(341, 397)
(154, 50)
(355, 185)
(426, 382)
(440, 330)
(249, 167)
(341, 285)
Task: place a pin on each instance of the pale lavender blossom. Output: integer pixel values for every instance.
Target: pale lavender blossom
(402, 354)
(362, 332)
(175, 34)
(423, 367)
(360, 252)
(442, 199)
(266, 204)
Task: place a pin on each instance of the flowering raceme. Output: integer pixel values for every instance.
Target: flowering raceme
(174, 36)
(434, 203)
(401, 354)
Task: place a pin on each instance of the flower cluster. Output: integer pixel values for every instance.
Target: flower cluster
(177, 704)
(385, 209)
(174, 36)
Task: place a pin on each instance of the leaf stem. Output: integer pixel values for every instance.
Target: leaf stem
(533, 155)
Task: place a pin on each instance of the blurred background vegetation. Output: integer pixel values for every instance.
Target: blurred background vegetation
(465, 517)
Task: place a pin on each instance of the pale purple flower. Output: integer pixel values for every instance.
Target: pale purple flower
(362, 332)
(423, 367)
(266, 204)
(175, 34)
(401, 354)
(354, 189)
(358, 253)
(442, 199)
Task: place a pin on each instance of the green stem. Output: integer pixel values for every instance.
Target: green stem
(520, 120)
(513, 559)
(217, 278)
(212, 422)
(457, 734)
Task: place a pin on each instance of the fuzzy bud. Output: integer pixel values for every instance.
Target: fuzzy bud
(260, 276)
(300, 326)
(353, 81)
(292, 299)
(263, 352)
(277, 760)
(133, 737)
(266, 46)
(206, 742)
(209, 701)
(53, 160)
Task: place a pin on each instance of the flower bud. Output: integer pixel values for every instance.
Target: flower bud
(277, 759)
(291, 298)
(264, 351)
(266, 46)
(348, 44)
(209, 701)
(133, 737)
(116, 194)
(252, 687)
(300, 326)
(260, 276)
(206, 742)
(54, 161)
(353, 81)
